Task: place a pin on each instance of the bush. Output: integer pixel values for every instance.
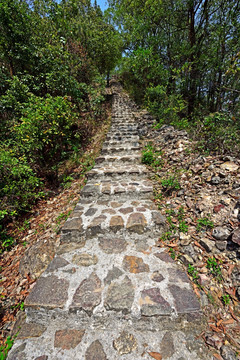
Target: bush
(48, 130)
(219, 132)
(19, 185)
(166, 107)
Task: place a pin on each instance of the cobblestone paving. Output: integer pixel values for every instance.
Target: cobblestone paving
(110, 293)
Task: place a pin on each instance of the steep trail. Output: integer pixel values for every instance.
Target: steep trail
(110, 293)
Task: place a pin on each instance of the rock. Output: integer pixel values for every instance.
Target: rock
(88, 295)
(221, 245)
(112, 245)
(68, 339)
(164, 257)
(215, 180)
(84, 259)
(204, 279)
(29, 330)
(207, 244)
(95, 226)
(116, 223)
(167, 345)
(214, 340)
(185, 299)
(42, 357)
(227, 353)
(90, 212)
(95, 352)
(186, 259)
(37, 258)
(221, 233)
(136, 223)
(185, 239)
(236, 236)
(57, 263)
(120, 296)
(73, 223)
(50, 292)
(18, 353)
(113, 274)
(229, 166)
(156, 276)
(152, 303)
(125, 343)
(134, 264)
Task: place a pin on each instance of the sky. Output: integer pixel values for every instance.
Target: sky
(103, 4)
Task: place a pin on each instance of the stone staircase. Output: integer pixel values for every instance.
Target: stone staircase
(110, 293)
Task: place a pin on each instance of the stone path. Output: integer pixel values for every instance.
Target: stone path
(110, 293)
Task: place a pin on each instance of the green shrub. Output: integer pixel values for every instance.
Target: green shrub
(47, 132)
(151, 157)
(19, 185)
(166, 107)
(219, 132)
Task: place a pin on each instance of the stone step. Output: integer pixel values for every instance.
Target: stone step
(129, 218)
(123, 133)
(110, 159)
(76, 341)
(115, 279)
(134, 173)
(118, 189)
(120, 149)
(125, 143)
(122, 138)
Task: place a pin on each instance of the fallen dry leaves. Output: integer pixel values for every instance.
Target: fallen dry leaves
(155, 355)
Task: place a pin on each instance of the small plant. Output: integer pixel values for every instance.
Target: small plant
(170, 184)
(172, 227)
(166, 236)
(66, 182)
(214, 268)
(63, 216)
(151, 157)
(226, 299)
(204, 223)
(4, 349)
(183, 227)
(172, 253)
(193, 273)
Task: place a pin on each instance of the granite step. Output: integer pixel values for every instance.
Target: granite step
(114, 282)
(110, 159)
(124, 143)
(129, 218)
(122, 138)
(118, 190)
(120, 149)
(134, 172)
(60, 341)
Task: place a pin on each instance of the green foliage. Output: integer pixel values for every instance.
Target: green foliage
(172, 253)
(19, 185)
(170, 184)
(4, 349)
(166, 107)
(204, 224)
(226, 299)
(214, 268)
(193, 273)
(219, 132)
(151, 157)
(45, 132)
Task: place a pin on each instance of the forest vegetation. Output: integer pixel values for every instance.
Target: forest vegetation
(54, 59)
(181, 61)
